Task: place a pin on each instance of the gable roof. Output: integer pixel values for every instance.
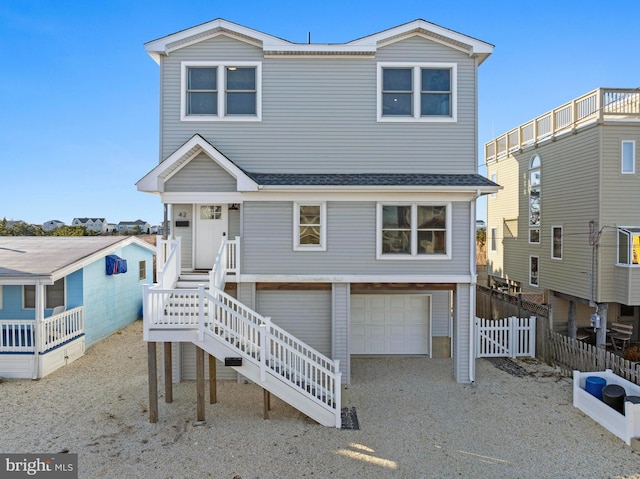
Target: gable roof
(26, 259)
(154, 180)
(272, 45)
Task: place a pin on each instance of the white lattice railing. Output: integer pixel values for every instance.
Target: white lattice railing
(19, 336)
(600, 104)
(253, 336)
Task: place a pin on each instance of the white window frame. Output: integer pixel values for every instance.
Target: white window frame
(24, 296)
(222, 90)
(631, 232)
(533, 166)
(142, 270)
(417, 68)
(553, 228)
(494, 239)
(323, 226)
(414, 232)
(633, 157)
(536, 285)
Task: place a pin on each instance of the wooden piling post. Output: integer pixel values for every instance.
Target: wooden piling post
(200, 384)
(266, 403)
(213, 385)
(168, 374)
(153, 382)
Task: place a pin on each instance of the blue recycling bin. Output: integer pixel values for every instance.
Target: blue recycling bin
(594, 385)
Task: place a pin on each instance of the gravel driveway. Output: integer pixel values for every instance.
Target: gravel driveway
(415, 422)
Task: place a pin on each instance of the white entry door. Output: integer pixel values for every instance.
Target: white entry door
(211, 226)
(390, 324)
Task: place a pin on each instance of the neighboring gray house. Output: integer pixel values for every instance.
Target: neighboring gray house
(52, 224)
(132, 226)
(567, 222)
(340, 180)
(92, 224)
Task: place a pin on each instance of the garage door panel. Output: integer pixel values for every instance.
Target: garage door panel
(389, 324)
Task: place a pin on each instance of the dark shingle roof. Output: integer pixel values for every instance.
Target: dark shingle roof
(370, 179)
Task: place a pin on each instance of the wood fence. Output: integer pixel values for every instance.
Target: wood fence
(571, 354)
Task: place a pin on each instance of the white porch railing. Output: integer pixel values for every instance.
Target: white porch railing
(19, 336)
(168, 255)
(227, 262)
(600, 104)
(59, 329)
(508, 337)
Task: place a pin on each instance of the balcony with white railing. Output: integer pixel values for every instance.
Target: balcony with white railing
(602, 104)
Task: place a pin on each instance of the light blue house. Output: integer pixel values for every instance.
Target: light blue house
(59, 295)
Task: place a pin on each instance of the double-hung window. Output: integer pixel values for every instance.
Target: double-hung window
(309, 227)
(417, 92)
(533, 270)
(556, 242)
(629, 245)
(215, 91)
(54, 295)
(413, 231)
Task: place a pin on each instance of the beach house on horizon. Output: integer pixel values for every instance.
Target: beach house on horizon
(325, 194)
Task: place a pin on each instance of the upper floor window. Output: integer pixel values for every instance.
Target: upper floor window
(556, 242)
(413, 231)
(417, 92)
(494, 239)
(54, 295)
(628, 157)
(533, 270)
(309, 227)
(629, 245)
(534, 199)
(214, 91)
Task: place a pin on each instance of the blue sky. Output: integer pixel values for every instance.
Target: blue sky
(79, 95)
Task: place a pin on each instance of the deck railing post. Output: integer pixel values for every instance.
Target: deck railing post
(201, 312)
(265, 340)
(337, 393)
(237, 258)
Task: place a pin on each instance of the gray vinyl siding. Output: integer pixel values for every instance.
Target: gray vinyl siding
(267, 243)
(440, 313)
(247, 294)
(319, 114)
(304, 314)
(462, 334)
(184, 232)
(341, 311)
(201, 174)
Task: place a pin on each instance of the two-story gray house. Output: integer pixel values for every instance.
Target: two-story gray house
(567, 221)
(337, 181)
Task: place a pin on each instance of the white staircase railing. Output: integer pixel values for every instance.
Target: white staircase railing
(168, 254)
(253, 337)
(227, 261)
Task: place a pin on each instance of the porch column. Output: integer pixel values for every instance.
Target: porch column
(39, 318)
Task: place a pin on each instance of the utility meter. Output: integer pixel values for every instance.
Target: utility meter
(595, 321)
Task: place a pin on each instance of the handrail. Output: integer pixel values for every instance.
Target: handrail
(597, 105)
(251, 335)
(168, 266)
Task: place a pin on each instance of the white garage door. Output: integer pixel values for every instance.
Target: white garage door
(389, 324)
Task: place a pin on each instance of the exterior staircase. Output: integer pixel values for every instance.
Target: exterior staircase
(195, 308)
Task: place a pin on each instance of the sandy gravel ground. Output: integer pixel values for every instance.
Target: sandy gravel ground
(415, 422)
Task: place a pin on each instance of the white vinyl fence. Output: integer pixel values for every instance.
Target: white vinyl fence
(508, 337)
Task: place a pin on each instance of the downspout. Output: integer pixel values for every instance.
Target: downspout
(472, 289)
